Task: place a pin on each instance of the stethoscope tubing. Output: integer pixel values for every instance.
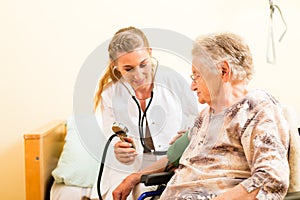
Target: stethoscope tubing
(141, 127)
(141, 118)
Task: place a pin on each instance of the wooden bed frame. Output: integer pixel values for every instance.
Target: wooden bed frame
(43, 147)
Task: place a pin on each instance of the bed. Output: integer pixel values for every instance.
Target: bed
(43, 147)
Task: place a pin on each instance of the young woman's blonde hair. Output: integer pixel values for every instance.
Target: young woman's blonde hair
(125, 40)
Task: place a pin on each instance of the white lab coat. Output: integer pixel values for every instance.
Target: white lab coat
(173, 108)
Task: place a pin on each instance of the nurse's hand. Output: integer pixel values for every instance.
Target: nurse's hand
(179, 134)
(124, 151)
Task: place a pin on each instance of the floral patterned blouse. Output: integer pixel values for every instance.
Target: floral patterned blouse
(246, 144)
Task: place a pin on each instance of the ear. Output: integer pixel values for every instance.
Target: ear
(150, 51)
(225, 71)
(114, 66)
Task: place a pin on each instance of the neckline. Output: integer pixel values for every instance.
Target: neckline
(143, 99)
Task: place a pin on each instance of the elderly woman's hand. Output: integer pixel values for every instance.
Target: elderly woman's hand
(124, 188)
(124, 151)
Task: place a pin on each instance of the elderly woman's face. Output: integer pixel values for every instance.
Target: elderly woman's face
(136, 68)
(199, 86)
(208, 82)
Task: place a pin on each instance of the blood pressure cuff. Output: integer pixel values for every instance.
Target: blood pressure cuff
(176, 150)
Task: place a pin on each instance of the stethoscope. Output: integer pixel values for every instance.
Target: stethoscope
(142, 118)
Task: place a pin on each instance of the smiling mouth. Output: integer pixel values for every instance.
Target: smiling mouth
(139, 82)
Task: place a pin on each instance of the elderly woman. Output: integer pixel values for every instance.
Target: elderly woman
(239, 144)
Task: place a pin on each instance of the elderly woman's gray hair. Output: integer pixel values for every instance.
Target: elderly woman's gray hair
(227, 47)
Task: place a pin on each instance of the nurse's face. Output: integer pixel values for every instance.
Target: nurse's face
(136, 68)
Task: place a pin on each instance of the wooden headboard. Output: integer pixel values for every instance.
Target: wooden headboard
(43, 147)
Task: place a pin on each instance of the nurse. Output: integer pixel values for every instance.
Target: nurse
(153, 102)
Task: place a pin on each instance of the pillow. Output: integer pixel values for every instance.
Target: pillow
(76, 166)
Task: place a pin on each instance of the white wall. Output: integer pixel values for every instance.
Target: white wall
(43, 45)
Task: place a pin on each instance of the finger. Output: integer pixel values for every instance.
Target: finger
(171, 141)
(124, 197)
(128, 139)
(174, 139)
(116, 195)
(120, 144)
(128, 160)
(124, 150)
(132, 155)
(125, 157)
(181, 132)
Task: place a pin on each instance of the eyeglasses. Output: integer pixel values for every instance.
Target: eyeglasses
(194, 77)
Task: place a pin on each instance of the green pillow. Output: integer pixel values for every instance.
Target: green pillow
(75, 166)
(176, 150)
